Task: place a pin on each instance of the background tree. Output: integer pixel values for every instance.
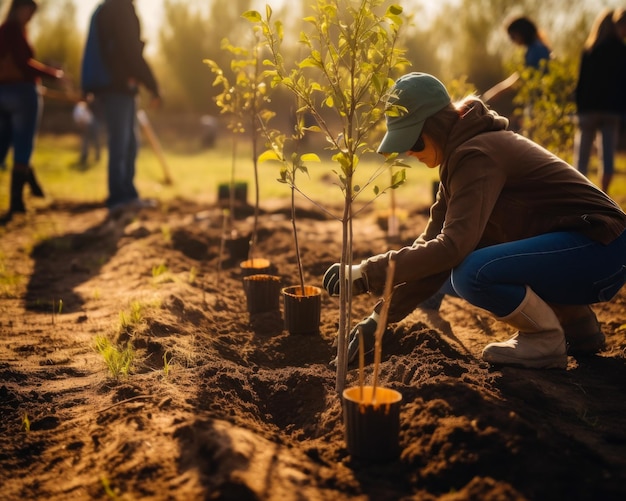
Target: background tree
(57, 38)
(184, 41)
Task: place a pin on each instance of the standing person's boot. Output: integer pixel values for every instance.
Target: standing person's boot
(539, 343)
(35, 187)
(19, 177)
(581, 327)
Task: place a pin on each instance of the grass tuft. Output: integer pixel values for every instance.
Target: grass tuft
(118, 359)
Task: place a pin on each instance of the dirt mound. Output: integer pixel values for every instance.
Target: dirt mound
(223, 406)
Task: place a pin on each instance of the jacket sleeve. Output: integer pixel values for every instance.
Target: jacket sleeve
(436, 219)
(474, 185)
(22, 54)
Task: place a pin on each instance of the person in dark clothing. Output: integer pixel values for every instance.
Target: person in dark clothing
(600, 96)
(516, 230)
(113, 68)
(20, 102)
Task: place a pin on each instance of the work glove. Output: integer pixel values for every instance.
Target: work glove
(331, 280)
(368, 326)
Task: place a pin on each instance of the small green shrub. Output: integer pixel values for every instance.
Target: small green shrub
(546, 106)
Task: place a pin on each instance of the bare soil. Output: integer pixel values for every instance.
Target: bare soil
(243, 410)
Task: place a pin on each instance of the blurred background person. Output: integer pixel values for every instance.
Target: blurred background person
(600, 97)
(113, 69)
(522, 31)
(87, 114)
(20, 102)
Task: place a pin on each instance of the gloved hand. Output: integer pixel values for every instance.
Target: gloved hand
(368, 326)
(331, 280)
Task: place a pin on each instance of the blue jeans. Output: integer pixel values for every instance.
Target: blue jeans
(562, 268)
(20, 110)
(120, 114)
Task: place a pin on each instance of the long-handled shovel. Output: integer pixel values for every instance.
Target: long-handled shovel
(146, 127)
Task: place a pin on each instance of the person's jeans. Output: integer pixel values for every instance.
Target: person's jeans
(20, 110)
(92, 132)
(120, 114)
(562, 268)
(589, 125)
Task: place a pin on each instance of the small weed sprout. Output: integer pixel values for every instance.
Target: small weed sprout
(159, 270)
(129, 320)
(118, 359)
(167, 364)
(56, 310)
(26, 423)
(108, 490)
(160, 274)
(193, 275)
(167, 233)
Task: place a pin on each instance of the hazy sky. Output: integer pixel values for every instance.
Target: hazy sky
(149, 11)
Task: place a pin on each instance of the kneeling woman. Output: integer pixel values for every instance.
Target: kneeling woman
(516, 230)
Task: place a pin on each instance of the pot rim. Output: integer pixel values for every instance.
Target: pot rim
(384, 395)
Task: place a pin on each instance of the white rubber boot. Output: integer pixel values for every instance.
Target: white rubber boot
(539, 343)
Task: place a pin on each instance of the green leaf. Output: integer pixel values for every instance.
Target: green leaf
(310, 157)
(268, 155)
(398, 178)
(309, 62)
(253, 16)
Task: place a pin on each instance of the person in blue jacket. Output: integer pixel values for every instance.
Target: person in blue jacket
(113, 69)
(522, 31)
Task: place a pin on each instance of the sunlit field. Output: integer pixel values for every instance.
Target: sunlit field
(197, 173)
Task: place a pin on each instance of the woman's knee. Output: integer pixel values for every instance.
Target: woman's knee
(464, 278)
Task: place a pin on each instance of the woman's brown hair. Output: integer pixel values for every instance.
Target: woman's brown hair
(438, 126)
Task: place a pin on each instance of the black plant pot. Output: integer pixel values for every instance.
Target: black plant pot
(262, 293)
(372, 428)
(302, 311)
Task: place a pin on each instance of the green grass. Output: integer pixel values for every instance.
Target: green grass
(9, 280)
(118, 359)
(198, 174)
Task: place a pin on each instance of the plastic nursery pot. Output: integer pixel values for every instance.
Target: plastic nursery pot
(237, 246)
(256, 266)
(372, 428)
(302, 311)
(240, 192)
(262, 293)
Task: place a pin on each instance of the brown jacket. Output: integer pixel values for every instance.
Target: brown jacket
(496, 186)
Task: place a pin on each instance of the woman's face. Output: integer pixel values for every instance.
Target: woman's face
(431, 155)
